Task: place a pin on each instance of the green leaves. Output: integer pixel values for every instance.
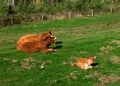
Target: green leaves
(3, 8)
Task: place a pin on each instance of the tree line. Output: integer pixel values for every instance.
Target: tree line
(83, 6)
(30, 11)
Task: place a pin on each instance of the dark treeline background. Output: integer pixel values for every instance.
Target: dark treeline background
(19, 11)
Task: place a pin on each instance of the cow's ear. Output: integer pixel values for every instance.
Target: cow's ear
(50, 32)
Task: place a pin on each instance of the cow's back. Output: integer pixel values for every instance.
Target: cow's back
(27, 43)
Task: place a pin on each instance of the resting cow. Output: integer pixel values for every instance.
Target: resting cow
(36, 42)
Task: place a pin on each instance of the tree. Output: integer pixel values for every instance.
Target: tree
(3, 8)
(95, 6)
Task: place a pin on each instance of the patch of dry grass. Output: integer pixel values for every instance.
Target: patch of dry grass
(115, 59)
(102, 78)
(109, 79)
(117, 42)
(106, 49)
(27, 63)
(71, 62)
(72, 76)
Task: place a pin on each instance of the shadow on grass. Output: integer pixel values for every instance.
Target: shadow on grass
(95, 64)
(58, 45)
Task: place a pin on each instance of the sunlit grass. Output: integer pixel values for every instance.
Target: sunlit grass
(81, 37)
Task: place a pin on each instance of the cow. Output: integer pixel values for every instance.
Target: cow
(36, 42)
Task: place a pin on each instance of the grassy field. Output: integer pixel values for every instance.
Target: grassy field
(81, 37)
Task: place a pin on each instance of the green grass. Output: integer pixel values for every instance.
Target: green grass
(81, 37)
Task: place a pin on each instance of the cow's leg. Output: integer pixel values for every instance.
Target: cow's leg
(47, 50)
(50, 50)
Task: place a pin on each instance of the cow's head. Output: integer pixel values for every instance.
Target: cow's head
(48, 37)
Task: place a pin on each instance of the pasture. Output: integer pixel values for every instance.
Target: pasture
(80, 37)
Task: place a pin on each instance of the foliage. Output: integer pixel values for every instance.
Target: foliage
(96, 4)
(59, 7)
(49, 7)
(3, 8)
(23, 7)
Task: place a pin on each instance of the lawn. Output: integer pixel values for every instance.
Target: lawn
(80, 37)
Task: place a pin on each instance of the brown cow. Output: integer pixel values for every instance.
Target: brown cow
(36, 42)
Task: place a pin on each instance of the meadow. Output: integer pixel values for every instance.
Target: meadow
(81, 37)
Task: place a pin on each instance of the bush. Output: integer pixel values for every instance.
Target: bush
(3, 8)
(22, 7)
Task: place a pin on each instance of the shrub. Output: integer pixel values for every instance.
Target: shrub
(3, 8)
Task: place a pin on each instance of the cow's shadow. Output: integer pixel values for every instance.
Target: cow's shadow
(58, 45)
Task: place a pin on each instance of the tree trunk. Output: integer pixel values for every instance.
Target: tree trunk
(70, 14)
(92, 12)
